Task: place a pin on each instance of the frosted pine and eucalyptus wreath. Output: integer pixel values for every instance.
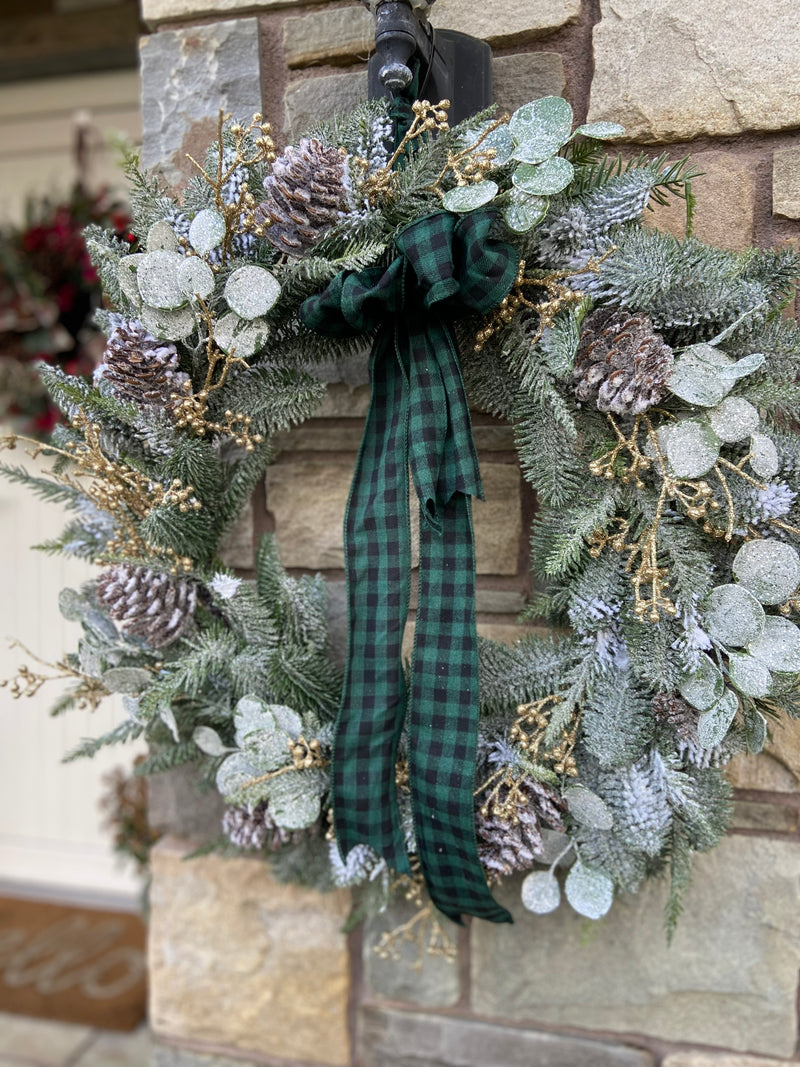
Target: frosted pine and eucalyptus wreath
(650, 382)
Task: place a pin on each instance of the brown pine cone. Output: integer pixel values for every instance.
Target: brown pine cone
(141, 369)
(147, 604)
(305, 194)
(250, 826)
(674, 710)
(508, 844)
(621, 363)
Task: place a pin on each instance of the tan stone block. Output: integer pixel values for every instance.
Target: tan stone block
(503, 23)
(498, 519)
(725, 194)
(308, 100)
(328, 35)
(158, 11)
(317, 436)
(717, 1059)
(520, 79)
(671, 70)
(237, 548)
(785, 746)
(240, 960)
(768, 818)
(762, 772)
(344, 401)
(786, 182)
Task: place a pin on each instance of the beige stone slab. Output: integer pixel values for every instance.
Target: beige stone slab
(237, 548)
(762, 772)
(726, 196)
(239, 960)
(45, 1043)
(344, 401)
(671, 70)
(325, 36)
(308, 500)
(728, 980)
(786, 182)
(717, 1059)
(118, 1050)
(528, 76)
(345, 436)
(308, 100)
(157, 11)
(772, 818)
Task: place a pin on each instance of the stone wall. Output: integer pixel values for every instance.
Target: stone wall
(244, 970)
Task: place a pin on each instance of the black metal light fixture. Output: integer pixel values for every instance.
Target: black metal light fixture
(452, 66)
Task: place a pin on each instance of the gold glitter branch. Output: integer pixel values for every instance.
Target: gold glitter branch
(26, 683)
(240, 215)
(428, 119)
(305, 756)
(191, 410)
(424, 928)
(529, 729)
(469, 165)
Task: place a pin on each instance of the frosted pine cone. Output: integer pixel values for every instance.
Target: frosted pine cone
(140, 369)
(305, 194)
(147, 604)
(250, 826)
(622, 363)
(674, 710)
(513, 844)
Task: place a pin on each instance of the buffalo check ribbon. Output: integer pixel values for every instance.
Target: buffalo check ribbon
(446, 266)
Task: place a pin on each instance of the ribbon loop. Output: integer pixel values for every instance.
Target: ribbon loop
(419, 418)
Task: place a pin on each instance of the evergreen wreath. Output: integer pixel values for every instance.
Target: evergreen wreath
(651, 383)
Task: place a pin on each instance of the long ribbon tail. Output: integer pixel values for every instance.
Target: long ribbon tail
(378, 559)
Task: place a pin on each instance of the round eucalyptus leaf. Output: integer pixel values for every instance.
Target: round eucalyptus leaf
(195, 277)
(705, 686)
(750, 675)
(267, 750)
(755, 730)
(769, 569)
(524, 212)
(209, 741)
(546, 179)
(600, 130)
(764, 456)
(206, 231)
(549, 116)
(498, 139)
(537, 150)
(734, 419)
(157, 277)
(126, 274)
(233, 334)
(733, 616)
(233, 775)
(162, 237)
(286, 719)
(540, 892)
(742, 367)
(252, 291)
(251, 715)
(588, 808)
(713, 724)
(292, 805)
(692, 448)
(168, 325)
(778, 645)
(129, 680)
(590, 892)
(71, 605)
(696, 377)
(465, 198)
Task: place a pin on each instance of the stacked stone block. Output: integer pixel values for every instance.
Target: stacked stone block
(245, 971)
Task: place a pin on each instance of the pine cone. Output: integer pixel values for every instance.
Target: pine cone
(512, 844)
(674, 710)
(139, 368)
(622, 363)
(305, 194)
(250, 826)
(147, 604)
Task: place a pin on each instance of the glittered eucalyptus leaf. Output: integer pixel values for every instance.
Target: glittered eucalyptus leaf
(233, 334)
(167, 716)
(196, 277)
(734, 419)
(599, 130)
(588, 808)
(250, 715)
(98, 623)
(546, 179)
(286, 719)
(741, 368)
(549, 116)
(130, 680)
(499, 140)
(713, 724)
(206, 231)
(692, 448)
(251, 291)
(778, 645)
(233, 776)
(769, 569)
(523, 212)
(465, 198)
(292, 805)
(267, 750)
(126, 275)
(696, 376)
(556, 848)
(168, 325)
(755, 730)
(157, 277)
(71, 605)
(705, 686)
(537, 150)
(764, 456)
(540, 892)
(209, 741)
(733, 616)
(162, 238)
(590, 892)
(751, 676)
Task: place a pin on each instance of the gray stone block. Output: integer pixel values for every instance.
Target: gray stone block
(405, 1039)
(311, 99)
(187, 76)
(177, 806)
(519, 79)
(729, 979)
(172, 1056)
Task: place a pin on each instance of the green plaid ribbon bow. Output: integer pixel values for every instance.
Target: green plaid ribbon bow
(446, 266)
